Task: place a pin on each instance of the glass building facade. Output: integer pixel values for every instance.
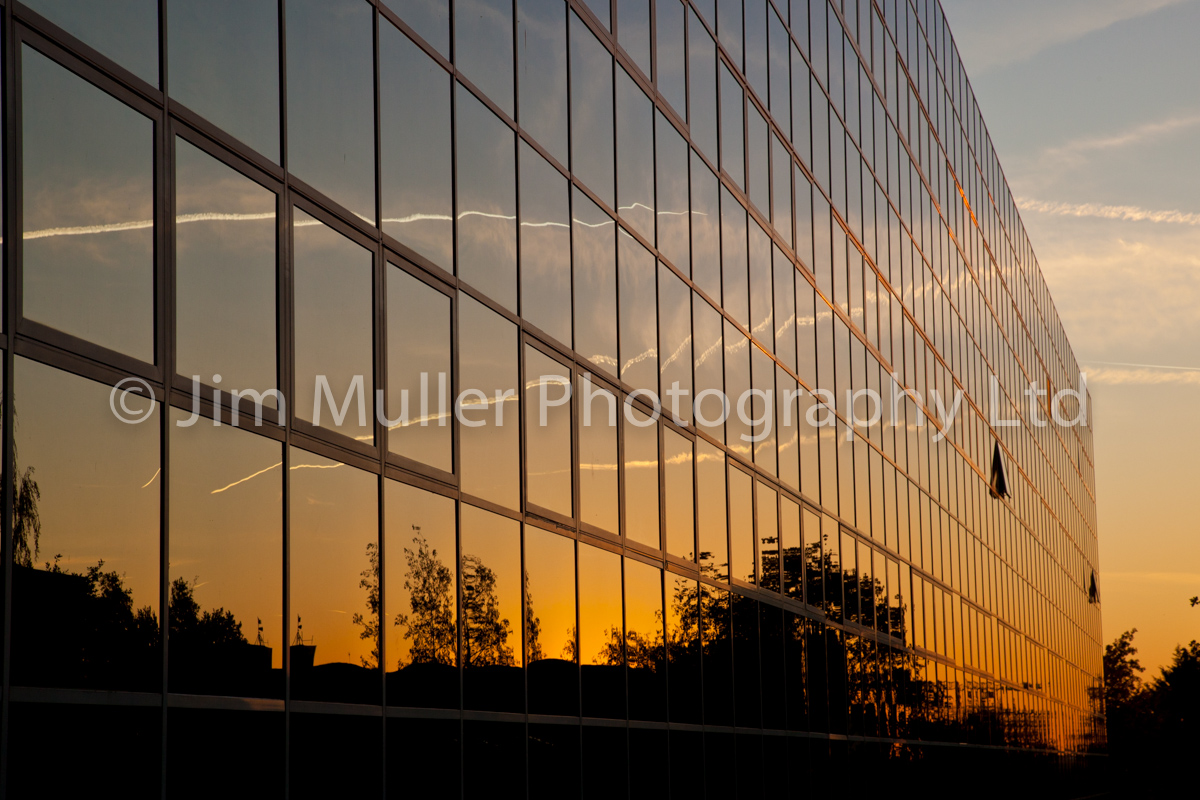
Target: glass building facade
(222, 579)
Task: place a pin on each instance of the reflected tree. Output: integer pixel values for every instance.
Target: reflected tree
(485, 632)
(429, 625)
(369, 580)
(533, 627)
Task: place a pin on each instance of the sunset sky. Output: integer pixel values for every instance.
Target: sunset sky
(1094, 111)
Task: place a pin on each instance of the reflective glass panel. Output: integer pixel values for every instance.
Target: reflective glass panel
(741, 525)
(734, 267)
(641, 477)
(710, 510)
(729, 28)
(671, 166)
(487, 201)
(757, 144)
(419, 372)
(762, 307)
(706, 229)
(490, 449)
(591, 112)
(331, 100)
(491, 611)
(550, 623)
(542, 73)
(790, 425)
(88, 213)
(670, 54)
(639, 334)
(785, 308)
(683, 648)
(761, 410)
(598, 478)
(635, 156)
(333, 313)
(644, 640)
(545, 246)
(225, 275)
(679, 480)
(226, 564)
(766, 522)
(594, 261)
(708, 404)
(85, 547)
(675, 346)
(420, 581)
(415, 158)
(124, 30)
(738, 432)
(633, 31)
(483, 47)
(733, 134)
(548, 472)
(702, 87)
(781, 190)
(601, 633)
(791, 552)
(429, 18)
(224, 63)
(334, 576)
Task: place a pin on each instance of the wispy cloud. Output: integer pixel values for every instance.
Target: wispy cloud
(1136, 135)
(1125, 213)
(1141, 376)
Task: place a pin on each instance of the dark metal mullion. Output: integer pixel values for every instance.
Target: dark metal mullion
(164, 323)
(284, 352)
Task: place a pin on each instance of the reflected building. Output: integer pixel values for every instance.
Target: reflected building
(389, 288)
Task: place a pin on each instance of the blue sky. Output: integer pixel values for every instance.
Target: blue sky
(1094, 109)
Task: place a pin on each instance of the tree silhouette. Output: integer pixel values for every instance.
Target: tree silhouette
(188, 625)
(369, 580)
(27, 522)
(485, 633)
(429, 625)
(533, 627)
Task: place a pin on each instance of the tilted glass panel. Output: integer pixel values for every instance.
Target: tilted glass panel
(548, 465)
(601, 633)
(785, 307)
(790, 424)
(591, 112)
(542, 73)
(757, 152)
(492, 653)
(761, 410)
(638, 314)
(675, 346)
(420, 386)
(334, 577)
(489, 403)
(226, 561)
(483, 48)
(673, 205)
(333, 330)
(594, 262)
(791, 552)
(331, 100)
(550, 623)
(641, 477)
(710, 511)
(729, 28)
(706, 229)
(88, 210)
(225, 276)
(420, 578)
(702, 87)
(741, 526)
(755, 20)
(85, 547)
(781, 190)
(633, 31)
(487, 200)
(781, 100)
(545, 246)
(635, 156)
(679, 502)
(598, 476)
(124, 30)
(224, 65)
(671, 55)
(683, 648)
(416, 162)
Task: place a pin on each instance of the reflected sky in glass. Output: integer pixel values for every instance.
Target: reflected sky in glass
(709, 372)
(124, 30)
(671, 55)
(671, 173)
(706, 229)
(675, 345)
(550, 595)
(678, 470)
(224, 65)
(594, 257)
(419, 330)
(548, 472)
(429, 18)
(635, 151)
(545, 246)
(88, 186)
(639, 335)
(702, 87)
(600, 608)
(490, 453)
(542, 73)
(710, 512)
(591, 112)
(483, 47)
(598, 498)
(641, 478)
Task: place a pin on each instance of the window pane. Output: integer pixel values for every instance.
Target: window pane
(598, 457)
(601, 633)
(738, 432)
(671, 165)
(732, 132)
(333, 314)
(545, 246)
(702, 87)
(790, 425)
(709, 368)
(741, 525)
(550, 623)
(675, 346)
(635, 151)
(633, 31)
(791, 552)
(331, 100)
(767, 527)
(683, 649)
(419, 328)
(429, 18)
(641, 478)
(729, 28)
(124, 30)
(644, 641)
(88, 169)
(734, 259)
(420, 580)
(639, 334)
(490, 455)
(678, 469)
(548, 468)
(762, 410)
(671, 55)
(483, 47)
(762, 307)
(785, 308)
(415, 157)
(757, 144)
(594, 257)
(706, 229)
(224, 60)
(226, 573)
(334, 577)
(85, 536)
(591, 112)
(542, 71)
(491, 617)
(781, 188)
(225, 274)
(710, 493)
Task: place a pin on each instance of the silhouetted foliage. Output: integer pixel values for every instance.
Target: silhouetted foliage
(429, 625)
(190, 626)
(369, 580)
(485, 633)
